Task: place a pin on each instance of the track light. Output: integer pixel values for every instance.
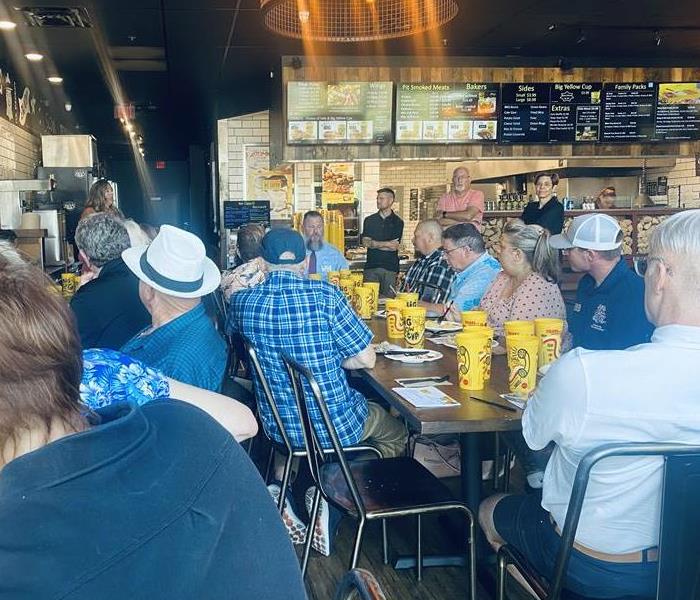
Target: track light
(658, 38)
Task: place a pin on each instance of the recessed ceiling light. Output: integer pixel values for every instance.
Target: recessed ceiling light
(55, 79)
(34, 56)
(7, 25)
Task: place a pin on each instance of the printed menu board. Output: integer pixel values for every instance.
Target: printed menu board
(628, 112)
(524, 113)
(239, 212)
(678, 111)
(319, 112)
(446, 113)
(574, 112)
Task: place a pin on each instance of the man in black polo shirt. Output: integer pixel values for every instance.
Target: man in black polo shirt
(381, 235)
(107, 308)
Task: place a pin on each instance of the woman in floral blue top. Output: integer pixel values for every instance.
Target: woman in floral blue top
(110, 377)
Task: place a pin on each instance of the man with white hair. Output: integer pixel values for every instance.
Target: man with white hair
(430, 276)
(590, 398)
(182, 341)
(461, 204)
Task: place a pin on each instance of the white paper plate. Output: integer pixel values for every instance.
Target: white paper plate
(414, 360)
(446, 326)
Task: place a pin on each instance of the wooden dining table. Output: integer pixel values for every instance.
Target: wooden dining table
(470, 420)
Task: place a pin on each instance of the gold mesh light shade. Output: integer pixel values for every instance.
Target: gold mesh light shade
(355, 20)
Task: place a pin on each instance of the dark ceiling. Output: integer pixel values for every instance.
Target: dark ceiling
(202, 59)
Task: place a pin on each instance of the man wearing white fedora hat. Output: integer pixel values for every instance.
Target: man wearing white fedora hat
(182, 342)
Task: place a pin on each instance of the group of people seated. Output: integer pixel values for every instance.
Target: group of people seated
(89, 422)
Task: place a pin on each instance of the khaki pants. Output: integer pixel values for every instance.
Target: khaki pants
(388, 434)
(385, 278)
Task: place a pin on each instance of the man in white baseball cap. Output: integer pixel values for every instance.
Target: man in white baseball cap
(182, 342)
(609, 310)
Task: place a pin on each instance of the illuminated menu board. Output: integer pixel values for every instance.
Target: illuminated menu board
(677, 112)
(524, 113)
(319, 112)
(574, 112)
(628, 112)
(446, 113)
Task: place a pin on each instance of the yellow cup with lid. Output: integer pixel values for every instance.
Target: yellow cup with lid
(410, 298)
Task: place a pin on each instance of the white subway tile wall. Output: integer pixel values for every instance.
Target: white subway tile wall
(683, 174)
(19, 152)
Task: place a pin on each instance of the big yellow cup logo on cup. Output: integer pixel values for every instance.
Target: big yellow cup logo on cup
(374, 286)
(549, 331)
(394, 319)
(474, 318)
(410, 298)
(413, 326)
(522, 362)
(333, 277)
(526, 327)
(363, 301)
(485, 357)
(347, 286)
(358, 278)
(470, 371)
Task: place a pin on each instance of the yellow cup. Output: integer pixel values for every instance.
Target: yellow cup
(549, 331)
(358, 278)
(474, 318)
(345, 273)
(67, 284)
(374, 286)
(410, 298)
(526, 327)
(522, 362)
(347, 286)
(487, 336)
(394, 319)
(333, 277)
(76, 281)
(413, 326)
(469, 368)
(315, 276)
(363, 301)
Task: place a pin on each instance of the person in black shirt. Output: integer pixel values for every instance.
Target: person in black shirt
(107, 308)
(381, 235)
(547, 211)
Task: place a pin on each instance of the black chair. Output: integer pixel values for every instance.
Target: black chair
(359, 583)
(370, 490)
(286, 448)
(679, 549)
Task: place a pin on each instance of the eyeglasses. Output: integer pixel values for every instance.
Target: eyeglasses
(445, 251)
(641, 264)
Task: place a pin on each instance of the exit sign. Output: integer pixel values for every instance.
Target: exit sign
(124, 111)
(160, 164)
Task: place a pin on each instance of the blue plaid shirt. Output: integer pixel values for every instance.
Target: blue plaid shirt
(313, 323)
(188, 349)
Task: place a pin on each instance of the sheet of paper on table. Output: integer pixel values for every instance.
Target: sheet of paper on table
(444, 340)
(426, 397)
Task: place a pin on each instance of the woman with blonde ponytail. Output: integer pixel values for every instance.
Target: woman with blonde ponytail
(527, 287)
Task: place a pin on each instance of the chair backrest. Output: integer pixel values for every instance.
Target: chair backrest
(679, 561)
(315, 454)
(359, 583)
(672, 452)
(264, 385)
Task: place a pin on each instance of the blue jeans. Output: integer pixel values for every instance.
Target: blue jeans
(522, 522)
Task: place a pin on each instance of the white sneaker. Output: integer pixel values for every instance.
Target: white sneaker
(295, 526)
(321, 541)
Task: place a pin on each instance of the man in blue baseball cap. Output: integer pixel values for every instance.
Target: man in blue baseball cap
(312, 322)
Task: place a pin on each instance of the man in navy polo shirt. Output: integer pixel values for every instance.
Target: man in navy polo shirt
(609, 310)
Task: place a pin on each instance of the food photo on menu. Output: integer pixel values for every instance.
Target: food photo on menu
(434, 130)
(460, 130)
(332, 131)
(344, 95)
(484, 130)
(360, 130)
(679, 93)
(303, 131)
(487, 104)
(408, 130)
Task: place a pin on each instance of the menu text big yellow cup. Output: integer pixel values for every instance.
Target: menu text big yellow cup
(486, 334)
(474, 318)
(363, 301)
(550, 333)
(410, 298)
(469, 368)
(394, 320)
(526, 327)
(522, 362)
(413, 326)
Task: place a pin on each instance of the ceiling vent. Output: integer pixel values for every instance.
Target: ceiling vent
(56, 16)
